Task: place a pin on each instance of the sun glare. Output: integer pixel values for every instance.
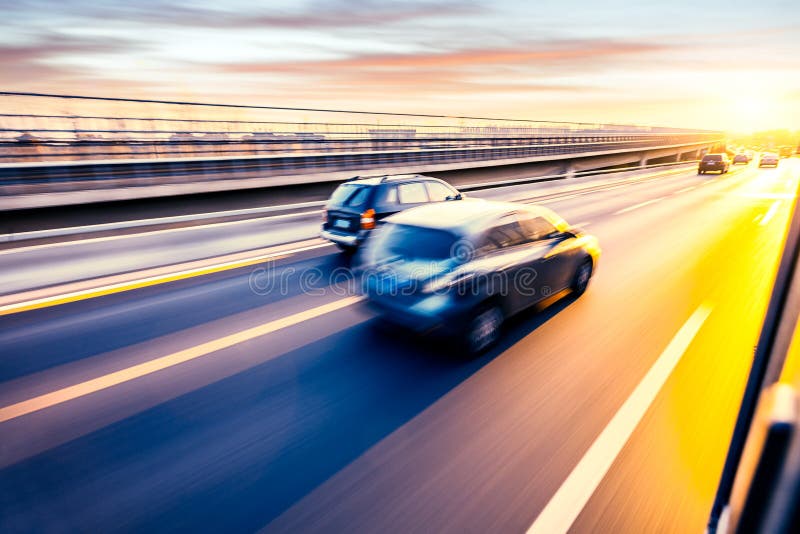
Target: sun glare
(753, 111)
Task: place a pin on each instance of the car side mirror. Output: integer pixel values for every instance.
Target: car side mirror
(571, 232)
(459, 196)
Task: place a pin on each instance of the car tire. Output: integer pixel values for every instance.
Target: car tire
(483, 330)
(580, 280)
(347, 249)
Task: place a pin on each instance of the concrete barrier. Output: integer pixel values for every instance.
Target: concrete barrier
(31, 185)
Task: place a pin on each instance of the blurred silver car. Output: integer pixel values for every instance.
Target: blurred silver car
(768, 159)
(460, 269)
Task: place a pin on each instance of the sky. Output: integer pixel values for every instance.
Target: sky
(729, 65)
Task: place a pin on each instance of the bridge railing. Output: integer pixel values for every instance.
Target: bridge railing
(51, 128)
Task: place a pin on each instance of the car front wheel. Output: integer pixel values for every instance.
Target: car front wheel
(582, 276)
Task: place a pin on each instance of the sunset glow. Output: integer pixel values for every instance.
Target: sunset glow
(581, 61)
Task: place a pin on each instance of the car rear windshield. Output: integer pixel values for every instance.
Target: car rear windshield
(349, 195)
(712, 157)
(415, 242)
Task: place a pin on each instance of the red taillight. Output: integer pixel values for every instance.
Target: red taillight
(368, 219)
(324, 216)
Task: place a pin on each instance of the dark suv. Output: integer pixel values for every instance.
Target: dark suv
(359, 204)
(714, 162)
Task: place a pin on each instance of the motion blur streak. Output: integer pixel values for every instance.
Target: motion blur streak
(138, 281)
(107, 381)
(571, 497)
(335, 424)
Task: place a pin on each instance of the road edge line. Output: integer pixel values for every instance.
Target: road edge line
(566, 504)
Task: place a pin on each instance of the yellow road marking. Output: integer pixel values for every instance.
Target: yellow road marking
(84, 294)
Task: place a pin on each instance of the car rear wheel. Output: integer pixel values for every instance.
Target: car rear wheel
(484, 329)
(582, 276)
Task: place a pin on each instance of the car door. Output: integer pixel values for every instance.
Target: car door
(513, 259)
(556, 256)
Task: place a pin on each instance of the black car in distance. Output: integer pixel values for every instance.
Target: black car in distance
(714, 163)
(357, 206)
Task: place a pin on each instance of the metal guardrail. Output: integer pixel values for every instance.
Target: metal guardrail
(264, 166)
(42, 127)
(132, 147)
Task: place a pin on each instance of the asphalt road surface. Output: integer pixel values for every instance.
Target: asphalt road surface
(265, 397)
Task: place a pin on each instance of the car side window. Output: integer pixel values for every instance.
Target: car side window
(438, 191)
(536, 227)
(507, 233)
(358, 198)
(412, 193)
(389, 195)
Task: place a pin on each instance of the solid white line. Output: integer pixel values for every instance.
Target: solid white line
(560, 513)
(124, 375)
(156, 232)
(773, 209)
(637, 206)
(138, 223)
(589, 191)
(684, 190)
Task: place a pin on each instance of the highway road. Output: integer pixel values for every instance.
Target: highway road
(264, 396)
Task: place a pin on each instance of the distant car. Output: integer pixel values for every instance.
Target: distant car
(741, 158)
(714, 163)
(768, 159)
(357, 206)
(460, 269)
(786, 151)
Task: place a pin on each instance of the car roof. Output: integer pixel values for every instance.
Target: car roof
(464, 216)
(375, 180)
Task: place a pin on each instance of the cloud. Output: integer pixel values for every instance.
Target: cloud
(38, 60)
(523, 70)
(317, 14)
(576, 52)
(360, 13)
(49, 45)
